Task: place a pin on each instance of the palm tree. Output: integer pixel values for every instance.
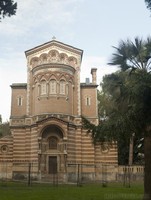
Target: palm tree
(133, 55)
(129, 91)
(134, 58)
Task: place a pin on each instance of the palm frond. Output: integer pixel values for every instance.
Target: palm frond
(132, 55)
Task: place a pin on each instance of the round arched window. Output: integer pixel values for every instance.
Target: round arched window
(53, 141)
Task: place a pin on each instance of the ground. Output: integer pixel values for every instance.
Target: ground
(17, 191)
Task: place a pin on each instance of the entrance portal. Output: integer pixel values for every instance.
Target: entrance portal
(52, 164)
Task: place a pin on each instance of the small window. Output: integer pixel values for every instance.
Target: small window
(53, 143)
(88, 101)
(62, 87)
(53, 87)
(19, 101)
(4, 149)
(43, 88)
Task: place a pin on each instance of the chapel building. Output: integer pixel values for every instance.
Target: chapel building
(45, 121)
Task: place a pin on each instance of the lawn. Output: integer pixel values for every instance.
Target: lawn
(20, 191)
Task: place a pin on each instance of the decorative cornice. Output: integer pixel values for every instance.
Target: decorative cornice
(35, 120)
(53, 56)
(19, 86)
(53, 75)
(84, 85)
(51, 118)
(53, 65)
(54, 43)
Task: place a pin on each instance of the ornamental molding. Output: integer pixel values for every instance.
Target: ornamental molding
(54, 56)
(55, 75)
(53, 67)
(53, 45)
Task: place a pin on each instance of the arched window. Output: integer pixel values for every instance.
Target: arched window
(87, 101)
(53, 87)
(62, 87)
(53, 141)
(43, 87)
(19, 101)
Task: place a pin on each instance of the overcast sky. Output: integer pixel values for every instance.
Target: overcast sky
(91, 25)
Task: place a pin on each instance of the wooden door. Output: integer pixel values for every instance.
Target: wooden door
(52, 164)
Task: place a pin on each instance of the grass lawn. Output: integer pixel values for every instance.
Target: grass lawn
(20, 191)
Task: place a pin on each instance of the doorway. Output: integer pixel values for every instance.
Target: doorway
(52, 164)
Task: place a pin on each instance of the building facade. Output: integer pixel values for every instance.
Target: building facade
(45, 121)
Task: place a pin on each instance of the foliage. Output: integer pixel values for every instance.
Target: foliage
(4, 129)
(131, 55)
(126, 94)
(104, 105)
(148, 3)
(130, 97)
(0, 119)
(7, 8)
(130, 91)
(139, 151)
(127, 91)
(134, 59)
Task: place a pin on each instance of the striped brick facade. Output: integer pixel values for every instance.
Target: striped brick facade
(46, 115)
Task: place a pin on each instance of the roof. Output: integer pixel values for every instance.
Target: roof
(56, 43)
(88, 85)
(19, 85)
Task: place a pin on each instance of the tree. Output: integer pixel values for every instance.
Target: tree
(105, 106)
(130, 91)
(148, 3)
(133, 55)
(4, 129)
(7, 8)
(135, 58)
(0, 119)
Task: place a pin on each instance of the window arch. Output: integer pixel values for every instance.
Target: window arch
(53, 142)
(43, 57)
(34, 61)
(19, 100)
(43, 87)
(53, 86)
(87, 101)
(62, 87)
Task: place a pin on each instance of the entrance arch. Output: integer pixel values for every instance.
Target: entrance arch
(52, 130)
(52, 150)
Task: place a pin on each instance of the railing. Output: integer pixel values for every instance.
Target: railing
(74, 173)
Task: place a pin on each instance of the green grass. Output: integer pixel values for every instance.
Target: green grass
(20, 191)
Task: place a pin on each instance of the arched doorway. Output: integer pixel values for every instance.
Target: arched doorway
(52, 147)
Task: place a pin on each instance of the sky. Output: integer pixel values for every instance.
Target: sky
(93, 26)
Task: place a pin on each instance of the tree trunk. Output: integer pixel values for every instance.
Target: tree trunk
(147, 170)
(130, 161)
